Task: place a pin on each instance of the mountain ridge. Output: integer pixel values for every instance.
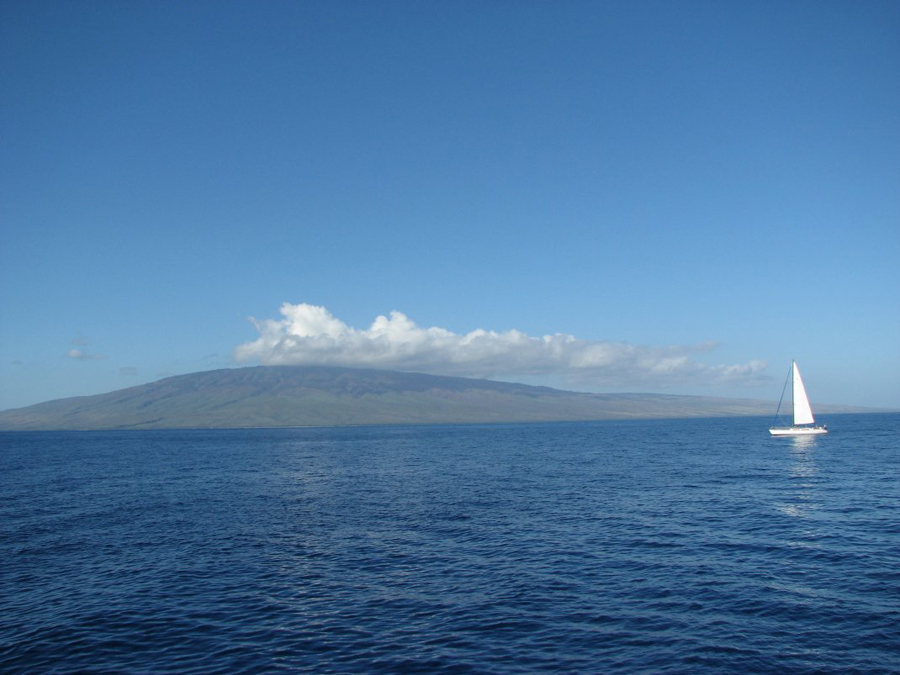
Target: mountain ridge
(285, 396)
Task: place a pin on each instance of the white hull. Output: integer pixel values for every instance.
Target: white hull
(797, 431)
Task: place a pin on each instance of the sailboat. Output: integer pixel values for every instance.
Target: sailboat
(803, 423)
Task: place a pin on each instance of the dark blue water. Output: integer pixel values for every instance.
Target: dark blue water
(671, 546)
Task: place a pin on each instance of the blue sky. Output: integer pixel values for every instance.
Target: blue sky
(687, 194)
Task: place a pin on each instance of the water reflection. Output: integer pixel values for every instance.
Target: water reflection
(802, 473)
(800, 443)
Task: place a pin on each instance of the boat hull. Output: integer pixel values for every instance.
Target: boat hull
(797, 431)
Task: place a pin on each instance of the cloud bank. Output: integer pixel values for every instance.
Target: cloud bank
(311, 335)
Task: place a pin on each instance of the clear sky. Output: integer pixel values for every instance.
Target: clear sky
(686, 194)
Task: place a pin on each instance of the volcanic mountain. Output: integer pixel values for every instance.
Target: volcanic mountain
(284, 396)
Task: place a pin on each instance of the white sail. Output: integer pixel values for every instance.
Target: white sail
(802, 411)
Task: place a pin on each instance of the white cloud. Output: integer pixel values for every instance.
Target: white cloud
(84, 356)
(308, 334)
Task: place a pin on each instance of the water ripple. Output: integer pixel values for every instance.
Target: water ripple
(664, 547)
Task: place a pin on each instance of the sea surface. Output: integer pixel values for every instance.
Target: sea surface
(685, 546)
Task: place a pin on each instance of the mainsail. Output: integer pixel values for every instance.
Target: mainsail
(802, 411)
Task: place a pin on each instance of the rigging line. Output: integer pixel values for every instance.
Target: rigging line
(783, 389)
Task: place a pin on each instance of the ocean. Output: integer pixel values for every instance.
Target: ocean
(676, 546)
